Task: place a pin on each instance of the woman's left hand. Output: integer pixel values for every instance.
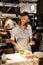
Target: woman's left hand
(32, 43)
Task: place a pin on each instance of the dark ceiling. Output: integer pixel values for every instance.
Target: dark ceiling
(9, 9)
(10, 1)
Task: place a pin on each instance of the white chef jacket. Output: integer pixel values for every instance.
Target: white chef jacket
(22, 36)
(11, 24)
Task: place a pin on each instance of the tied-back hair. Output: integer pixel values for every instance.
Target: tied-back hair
(23, 14)
(7, 18)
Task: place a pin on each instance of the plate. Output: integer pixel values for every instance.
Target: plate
(28, 56)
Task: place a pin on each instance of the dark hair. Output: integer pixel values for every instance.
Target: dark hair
(6, 18)
(24, 14)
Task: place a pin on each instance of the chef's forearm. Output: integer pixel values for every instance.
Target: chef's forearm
(13, 42)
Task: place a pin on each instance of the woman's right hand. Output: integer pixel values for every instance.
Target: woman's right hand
(18, 46)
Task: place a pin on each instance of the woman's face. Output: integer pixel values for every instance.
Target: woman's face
(24, 20)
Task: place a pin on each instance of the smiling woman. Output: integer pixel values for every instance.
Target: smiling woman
(22, 33)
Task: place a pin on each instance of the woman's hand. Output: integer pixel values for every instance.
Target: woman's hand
(32, 43)
(18, 46)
